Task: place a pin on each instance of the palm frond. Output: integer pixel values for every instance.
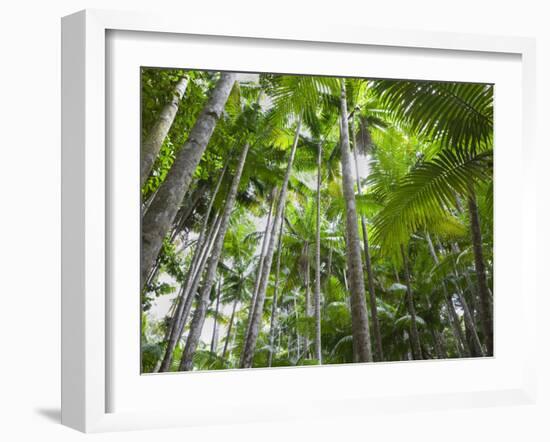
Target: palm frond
(428, 192)
(458, 115)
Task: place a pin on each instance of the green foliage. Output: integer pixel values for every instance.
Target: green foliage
(424, 197)
(456, 115)
(424, 148)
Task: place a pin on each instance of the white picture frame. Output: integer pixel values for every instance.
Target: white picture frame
(86, 347)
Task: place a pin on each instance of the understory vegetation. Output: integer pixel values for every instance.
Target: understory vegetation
(298, 220)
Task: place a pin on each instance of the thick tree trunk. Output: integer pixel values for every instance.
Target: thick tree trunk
(187, 209)
(359, 317)
(317, 295)
(368, 262)
(158, 219)
(184, 213)
(150, 147)
(483, 288)
(273, 323)
(200, 312)
(256, 319)
(415, 338)
(189, 287)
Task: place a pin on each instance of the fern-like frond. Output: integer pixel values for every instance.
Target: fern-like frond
(458, 115)
(427, 193)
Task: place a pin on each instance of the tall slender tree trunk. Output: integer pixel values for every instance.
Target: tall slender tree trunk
(200, 312)
(462, 345)
(483, 288)
(187, 291)
(436, 334)
(260, 266)
(359, 317)
(476, 349)
(230, 327)
(187, 296)
(415, 338)
(298, 337)
(317, 295)
(307, 280)
(214, 343)
(256, 319)
(307, 309)
(475, 310)
(150, 147)
(396, 273)
(368, 262)
(158, 219)
(273, 323)
(437, 344)
(451, 312)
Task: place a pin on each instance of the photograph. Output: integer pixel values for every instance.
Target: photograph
(299, 220)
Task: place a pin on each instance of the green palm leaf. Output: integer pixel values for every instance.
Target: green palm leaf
(458, 115)
(427, 193)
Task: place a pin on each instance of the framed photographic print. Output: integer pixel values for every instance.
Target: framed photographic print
(319, 217)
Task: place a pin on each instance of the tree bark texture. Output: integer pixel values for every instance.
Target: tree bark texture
(414, 336)
(317, 295)
(214, 343)
(196, 267)
(229, 327)
(451, 312)
(368, 262)
(150, 147)
(483, 288)
(256, 319)
(200, 311)
(265, 240)
(360, 320)
(187, 295)
(158, 219)
(273, 324)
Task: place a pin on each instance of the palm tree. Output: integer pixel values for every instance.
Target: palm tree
(263, 259)
(317, 296)
(360, 321)
(160, 215)
(151, 145)
(194, 274)
(485, 304)
(415, 337)
(259, 270)
(275, 300)
(366, 248)
(200, 311)
(252, 336)
(458, 117)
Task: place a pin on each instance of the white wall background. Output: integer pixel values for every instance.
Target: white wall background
(30, 215)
